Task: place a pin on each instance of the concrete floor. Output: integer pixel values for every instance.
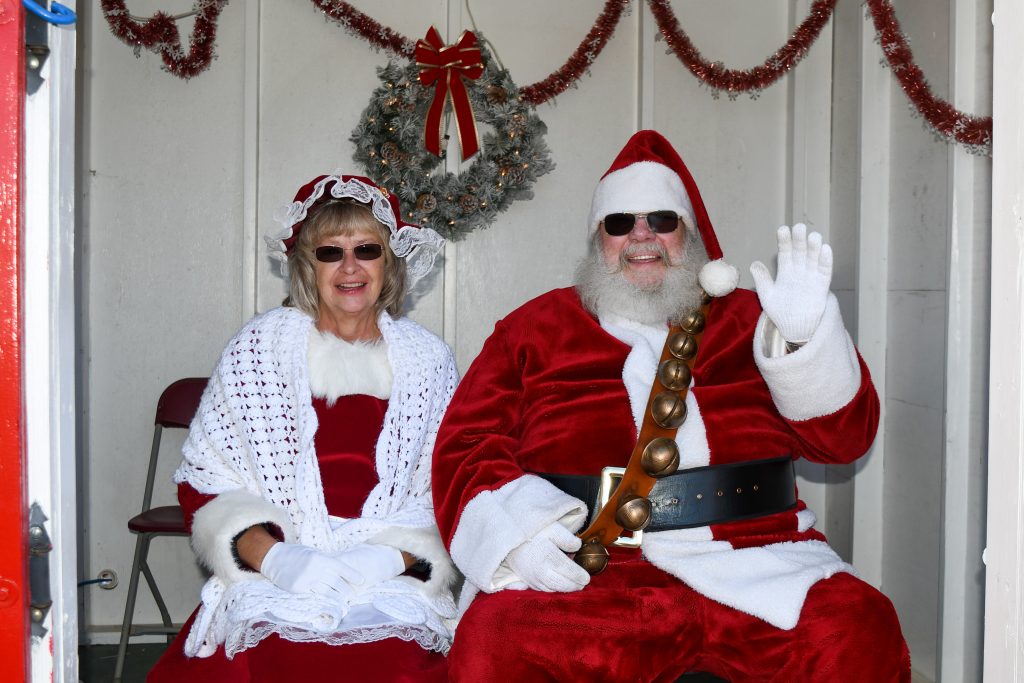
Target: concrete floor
(96, 662)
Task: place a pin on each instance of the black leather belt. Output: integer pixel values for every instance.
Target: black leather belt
(703, 495)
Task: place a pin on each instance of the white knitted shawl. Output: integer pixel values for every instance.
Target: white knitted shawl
(254, 432)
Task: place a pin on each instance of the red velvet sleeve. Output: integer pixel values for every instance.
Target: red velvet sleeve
(846, 434)
(190, 501)
(741, 418)
(477, 441)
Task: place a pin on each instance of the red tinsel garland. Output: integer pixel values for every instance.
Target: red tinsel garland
(558, 82)
(734, 81)
(588, 50)
(160, 34)
(974, 131)
(378, 35)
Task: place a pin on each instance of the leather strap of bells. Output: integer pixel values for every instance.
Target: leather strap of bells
(656, 453)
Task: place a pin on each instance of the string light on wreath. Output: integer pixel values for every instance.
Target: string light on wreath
(389, 145)
(159, 34)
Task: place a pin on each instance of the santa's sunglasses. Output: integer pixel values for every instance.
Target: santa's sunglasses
(619, 224)
(364, 252)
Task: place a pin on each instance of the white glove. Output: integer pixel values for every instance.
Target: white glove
(375, 563)
(301, 569)
(543, 565)
(795, 301)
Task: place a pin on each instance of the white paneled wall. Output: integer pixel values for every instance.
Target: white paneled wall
(161, 230)
(180, 181)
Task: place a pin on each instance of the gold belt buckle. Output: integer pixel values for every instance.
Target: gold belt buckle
(610, 478)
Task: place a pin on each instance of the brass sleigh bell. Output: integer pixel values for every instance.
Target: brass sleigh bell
(693, 323)
(593, 557)
(660, 457)
(674, 374)
(634, 513)
(682, 346)
(668, 410)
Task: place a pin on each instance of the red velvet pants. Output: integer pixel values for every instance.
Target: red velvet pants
(275, 660)
(637, 623)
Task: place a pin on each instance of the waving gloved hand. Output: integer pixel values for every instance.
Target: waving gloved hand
(301, 569)
(375, 563)
(795, 300)
(543, 565)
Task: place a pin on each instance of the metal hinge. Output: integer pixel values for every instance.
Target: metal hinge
(39, 546)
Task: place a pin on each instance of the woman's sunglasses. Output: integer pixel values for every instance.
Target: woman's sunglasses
(619, 224)
(363, 252)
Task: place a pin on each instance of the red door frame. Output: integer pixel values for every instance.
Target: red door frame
(14, 625)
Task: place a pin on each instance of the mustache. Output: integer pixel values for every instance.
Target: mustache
(642, 249)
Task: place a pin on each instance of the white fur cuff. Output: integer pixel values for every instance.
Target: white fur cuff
(217, 523)
(819, 378)
(495, 522)
(426, 544)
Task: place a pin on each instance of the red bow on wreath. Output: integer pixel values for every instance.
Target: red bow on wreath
(447, 67)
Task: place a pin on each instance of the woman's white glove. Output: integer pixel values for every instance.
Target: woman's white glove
(795, 300)
(301, 569)
(542, 564)
(375, 563)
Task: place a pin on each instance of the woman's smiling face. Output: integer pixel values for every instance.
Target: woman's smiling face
(349, 288)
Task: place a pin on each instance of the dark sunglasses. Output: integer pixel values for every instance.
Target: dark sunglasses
(363, 252)
(619, 224)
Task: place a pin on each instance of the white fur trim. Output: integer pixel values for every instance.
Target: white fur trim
(426, 544)
(770, 582)
(718, 278)
(495, 522)
(216, 524)
(639, 188)
(805, 519)
(340, 368)
(819, 378)
(646, 342)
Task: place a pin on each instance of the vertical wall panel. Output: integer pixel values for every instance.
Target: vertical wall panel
(162, 181)
(919, 215)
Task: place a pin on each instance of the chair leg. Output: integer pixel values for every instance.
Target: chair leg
(141, 550)
(165, 616)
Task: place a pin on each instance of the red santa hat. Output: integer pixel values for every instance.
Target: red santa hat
(417, 245)
(648, 175)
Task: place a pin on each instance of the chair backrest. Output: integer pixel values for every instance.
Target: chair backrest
(176, 407)
(179, 402)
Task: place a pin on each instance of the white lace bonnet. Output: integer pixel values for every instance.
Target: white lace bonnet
(419, 246)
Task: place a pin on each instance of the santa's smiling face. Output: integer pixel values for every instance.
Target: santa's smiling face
(642, 255)
(644, 276)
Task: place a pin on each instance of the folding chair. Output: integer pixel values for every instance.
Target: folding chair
(177, 405)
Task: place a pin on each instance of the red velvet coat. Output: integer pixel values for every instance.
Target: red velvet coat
(547, 394)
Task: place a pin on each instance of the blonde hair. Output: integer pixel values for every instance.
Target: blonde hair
(341, 218)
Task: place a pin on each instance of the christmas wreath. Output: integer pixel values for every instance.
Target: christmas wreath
(389, 140)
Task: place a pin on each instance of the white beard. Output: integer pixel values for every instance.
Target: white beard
(605, 291)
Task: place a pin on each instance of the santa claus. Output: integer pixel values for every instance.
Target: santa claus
(729, 575)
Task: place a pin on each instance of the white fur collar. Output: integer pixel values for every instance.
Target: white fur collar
(340, 368)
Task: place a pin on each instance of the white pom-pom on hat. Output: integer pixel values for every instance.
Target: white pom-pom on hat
(719, 278)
